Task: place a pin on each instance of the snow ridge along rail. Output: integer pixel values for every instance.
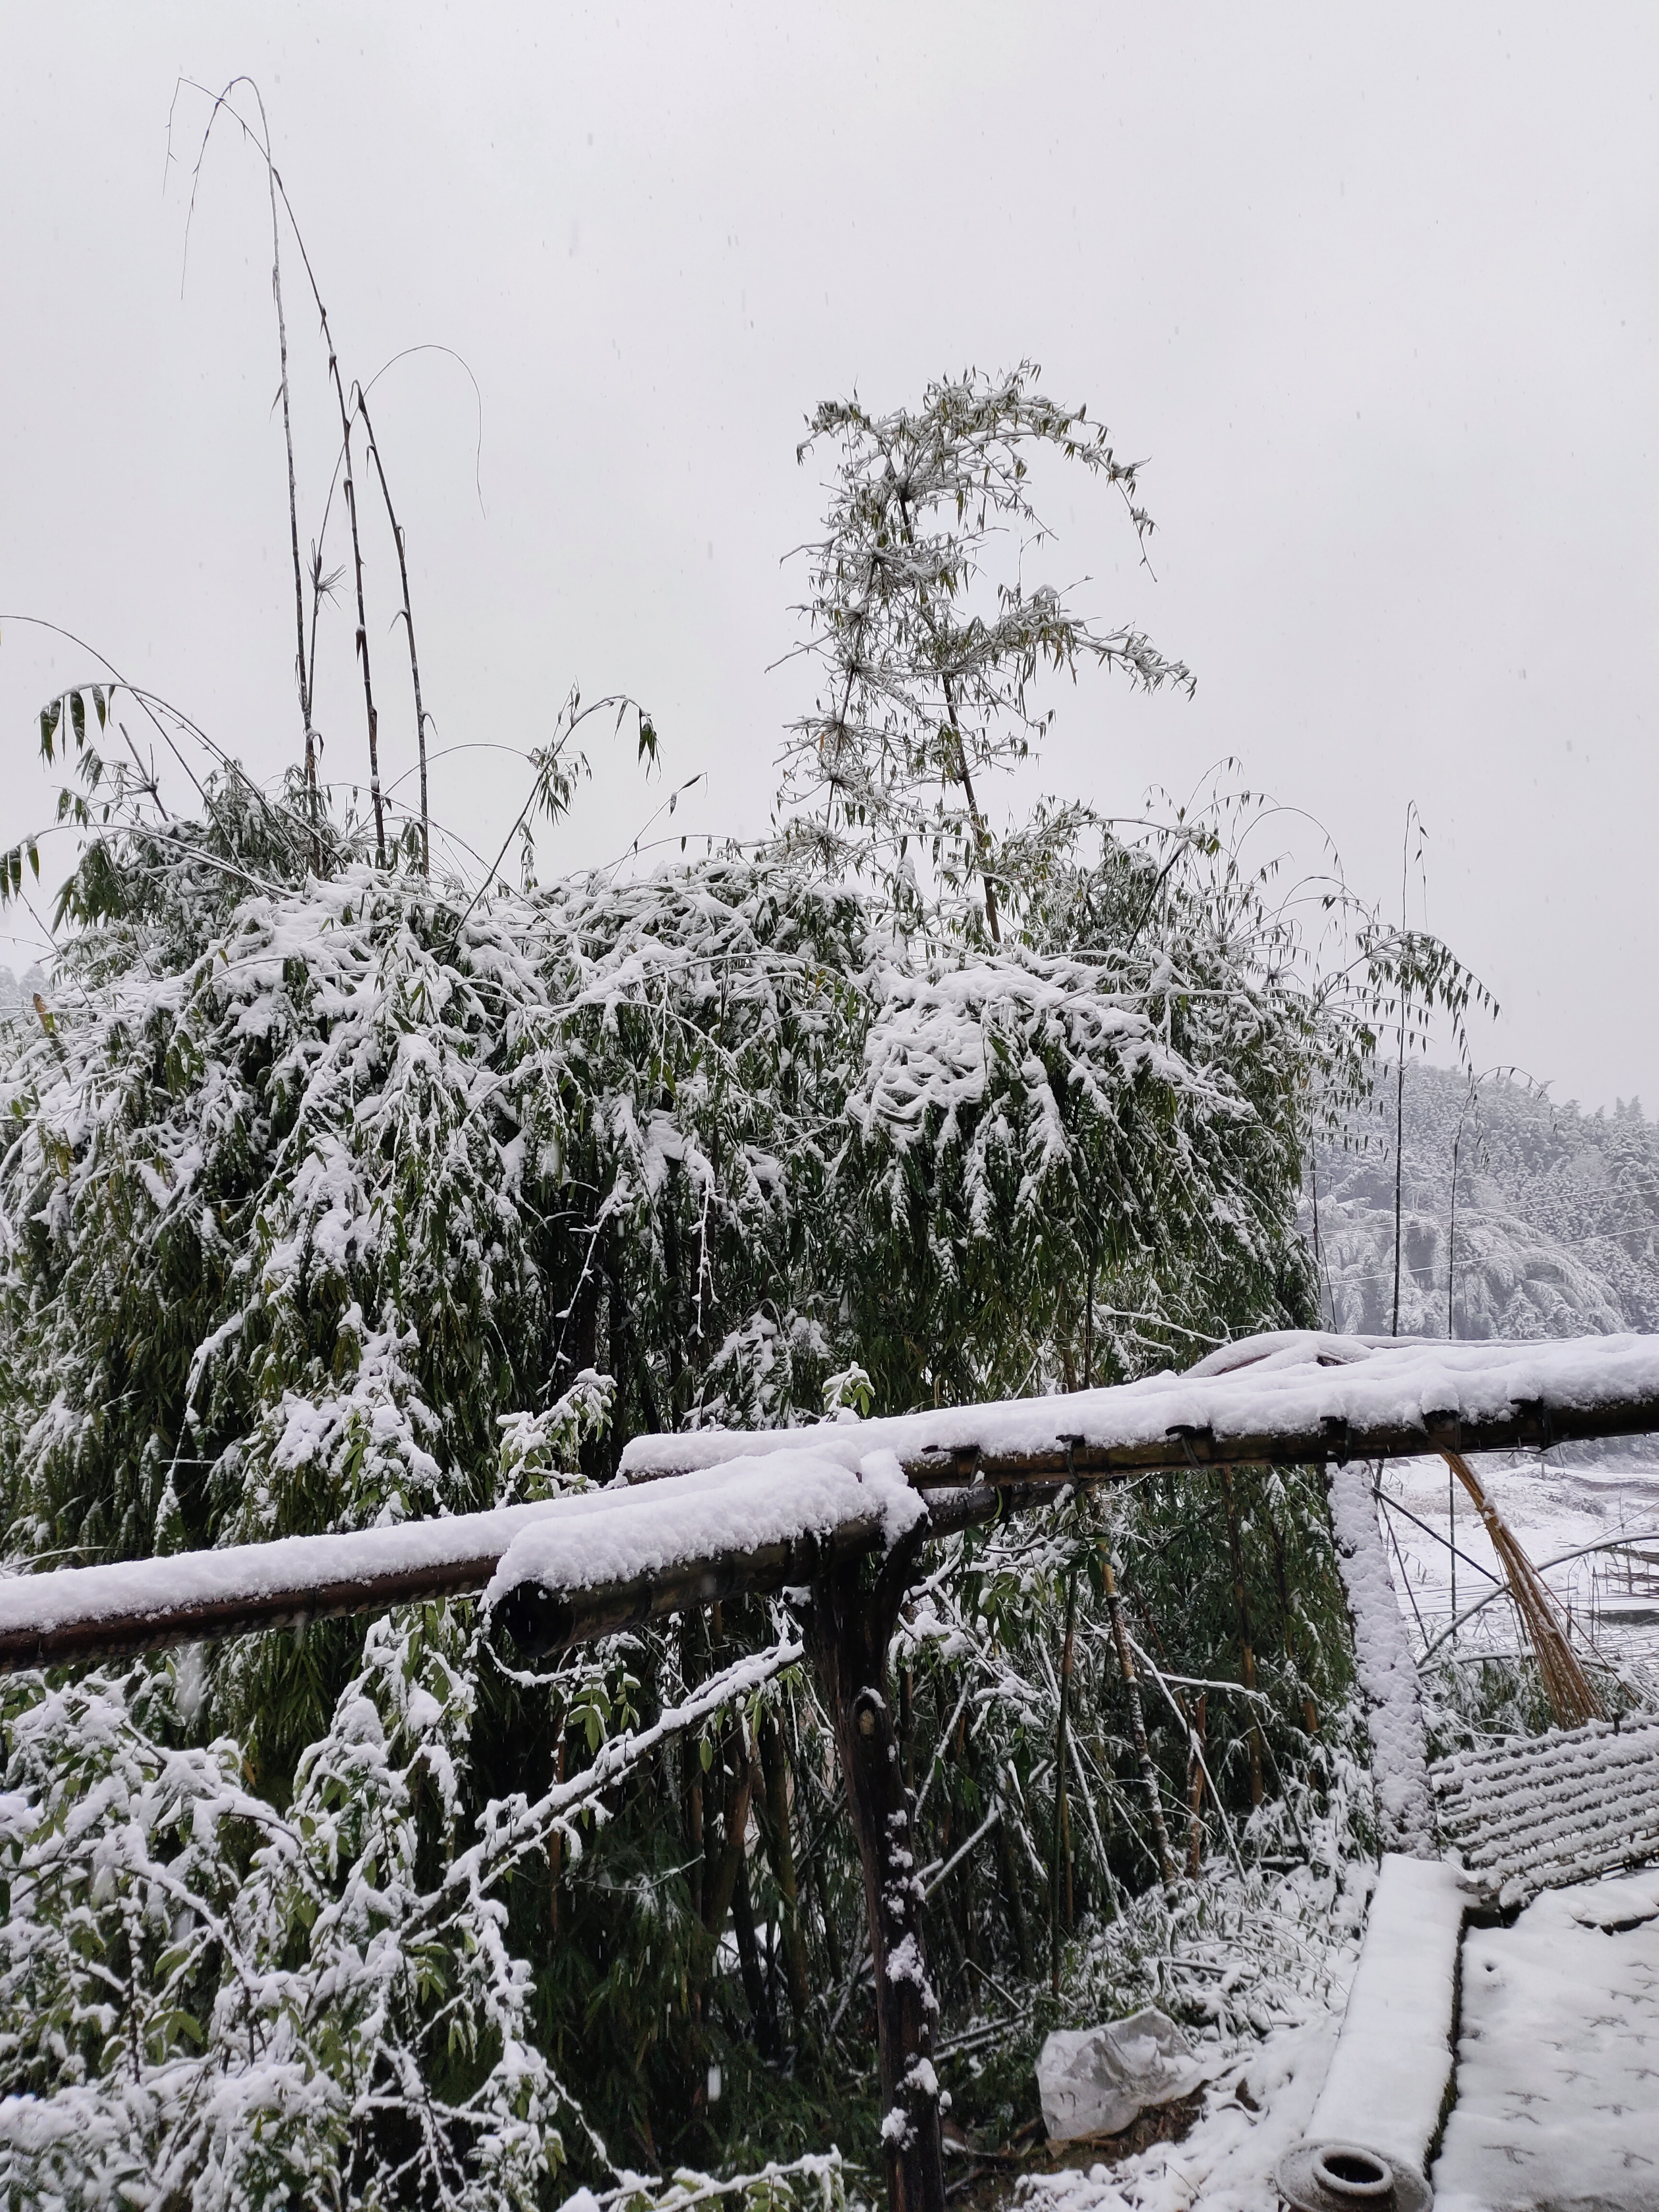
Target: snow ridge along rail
(1296, 1397)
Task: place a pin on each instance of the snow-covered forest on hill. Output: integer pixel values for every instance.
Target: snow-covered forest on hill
(1519, 1216)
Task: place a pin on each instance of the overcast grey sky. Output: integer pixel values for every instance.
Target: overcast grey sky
(1375, 289)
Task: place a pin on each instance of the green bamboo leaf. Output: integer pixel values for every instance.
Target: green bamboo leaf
(77, 707)
(49, 717)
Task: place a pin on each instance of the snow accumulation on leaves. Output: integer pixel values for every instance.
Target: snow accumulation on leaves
(332, 1215)
(338, 1150)
(307, 1931)
(330, 1943)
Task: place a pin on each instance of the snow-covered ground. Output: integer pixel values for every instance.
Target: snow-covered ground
(1558, 2062)
(1257, 2111)
(1611, 1597)
(1557, 2083)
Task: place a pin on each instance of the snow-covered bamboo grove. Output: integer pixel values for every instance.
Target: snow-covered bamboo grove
(322, 1210)
(331, 1195)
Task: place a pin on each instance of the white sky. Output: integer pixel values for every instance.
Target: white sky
(1374, 289)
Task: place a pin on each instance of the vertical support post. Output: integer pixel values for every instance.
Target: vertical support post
(1388, 1677)
(849, 1634)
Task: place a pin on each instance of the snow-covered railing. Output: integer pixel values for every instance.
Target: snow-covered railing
(708, 1515)
(1299, 1397)
(562, 1572)
(1554, 1809)
(141, 1605)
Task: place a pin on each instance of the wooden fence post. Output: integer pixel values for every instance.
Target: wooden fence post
(848, 1633)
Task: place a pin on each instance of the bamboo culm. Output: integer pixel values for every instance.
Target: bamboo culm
(1138, 1724)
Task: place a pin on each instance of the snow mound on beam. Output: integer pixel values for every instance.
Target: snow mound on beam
(152, 1589)
(1287, 1383)
(576, 1542)
(621, 1536)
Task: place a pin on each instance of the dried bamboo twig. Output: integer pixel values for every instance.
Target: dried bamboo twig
(1572, 1698)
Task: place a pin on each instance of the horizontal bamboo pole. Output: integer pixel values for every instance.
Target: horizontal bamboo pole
(1332, 1442)
(541, 1620)
(156, 1616)
(1022, 1451)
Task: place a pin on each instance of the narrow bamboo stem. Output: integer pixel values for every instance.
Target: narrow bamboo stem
(301, 671)
(1061, 1839)
(1195, 1786)
(409, 629)
(774, 1768)
(1126, 1665)
(1246, 1647)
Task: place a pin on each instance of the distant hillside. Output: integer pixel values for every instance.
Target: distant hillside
(12, 993)
(1558, 1214)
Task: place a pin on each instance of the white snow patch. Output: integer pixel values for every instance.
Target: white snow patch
(1386, 2085)
(1288, 1382)
(1557, 2062)
(614, 1535)
(570, 1542)
(1383, 1658)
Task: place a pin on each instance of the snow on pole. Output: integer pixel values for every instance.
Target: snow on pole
(1383, 1661)
(1383, 1658)
(611, 1558)
(1292, 1398)
(1379, 2111)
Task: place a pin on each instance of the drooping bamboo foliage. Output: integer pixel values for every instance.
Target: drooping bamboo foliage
(299, 1234)
(335, 1194)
